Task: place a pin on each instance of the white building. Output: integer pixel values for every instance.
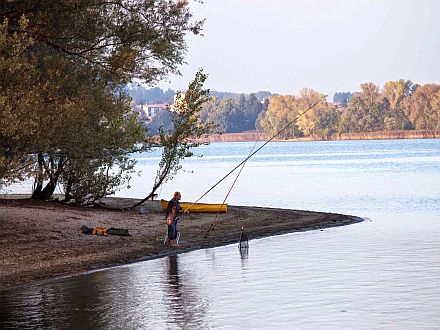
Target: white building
(151, 110)
(146, 112)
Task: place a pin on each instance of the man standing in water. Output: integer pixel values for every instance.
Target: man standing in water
(172, 216)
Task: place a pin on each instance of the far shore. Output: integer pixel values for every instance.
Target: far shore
(251, 136)
(41, 240)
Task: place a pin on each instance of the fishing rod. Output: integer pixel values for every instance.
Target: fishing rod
(227, 195)
(259, 148)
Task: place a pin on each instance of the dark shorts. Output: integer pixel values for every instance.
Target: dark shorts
(172, 230)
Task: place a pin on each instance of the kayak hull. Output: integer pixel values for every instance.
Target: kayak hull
(198, 207)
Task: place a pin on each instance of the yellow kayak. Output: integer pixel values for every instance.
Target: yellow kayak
(198, 207)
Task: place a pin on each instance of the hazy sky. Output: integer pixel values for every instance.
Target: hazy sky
(284, 45)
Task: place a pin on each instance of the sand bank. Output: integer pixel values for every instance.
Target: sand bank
(40, 240)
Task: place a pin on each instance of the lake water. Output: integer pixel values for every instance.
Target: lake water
(381, 273)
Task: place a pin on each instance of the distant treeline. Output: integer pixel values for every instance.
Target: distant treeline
(398, 105)
(231, 112)
(142, 95)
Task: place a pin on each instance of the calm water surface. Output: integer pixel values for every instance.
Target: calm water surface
(382, 273)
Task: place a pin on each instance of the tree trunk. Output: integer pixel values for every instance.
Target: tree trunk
(45, 193)
(49, 189)
(39, 179)
(67, 196)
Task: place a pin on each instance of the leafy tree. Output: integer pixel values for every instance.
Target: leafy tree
(124, 39)
(310, 121)
(396, 92)
(435, 105)
(16, 95)
(213, 111)
(187, 129)
(253, 107)
(365, 111)
(422, 107)
(233, 115)
(81, 53)
(281, 110)
(328, 120)
(312, 113)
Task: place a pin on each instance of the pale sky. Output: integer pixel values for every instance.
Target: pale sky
(285, 45)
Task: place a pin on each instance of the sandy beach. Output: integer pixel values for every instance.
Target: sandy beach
(40, 240)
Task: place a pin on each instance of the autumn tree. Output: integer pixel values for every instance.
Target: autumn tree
(282, 109)
(396, 92)
(309, 112)
(435, 107)
(316, 115)
(422, 107)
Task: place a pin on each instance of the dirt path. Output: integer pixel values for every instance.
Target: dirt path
(40, 240)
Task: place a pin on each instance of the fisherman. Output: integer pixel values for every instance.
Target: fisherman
(172, 215)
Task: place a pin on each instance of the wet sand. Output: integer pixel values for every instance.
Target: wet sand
(40, 240)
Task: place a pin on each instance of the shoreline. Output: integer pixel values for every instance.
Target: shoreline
(43, 240)
(253, 136)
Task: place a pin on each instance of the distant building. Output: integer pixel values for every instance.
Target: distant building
(146, 112)
(151, 110)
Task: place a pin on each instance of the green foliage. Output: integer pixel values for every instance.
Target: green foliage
(123, 39)
(396, 92)
(233, 115)
(63, 67)
(102, 164)
(142, 95)
(16, 95)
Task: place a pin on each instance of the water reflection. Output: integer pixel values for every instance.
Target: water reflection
(55, 305)
(244, 255)
(174, 292)
(185, 307)
(121, 297)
